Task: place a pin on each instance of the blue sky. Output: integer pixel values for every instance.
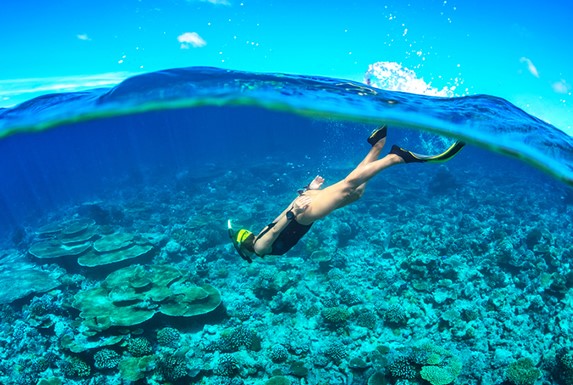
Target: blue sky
(517, 50)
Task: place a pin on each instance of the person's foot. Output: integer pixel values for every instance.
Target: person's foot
(377, 135)
(405, 155)
(410, 157)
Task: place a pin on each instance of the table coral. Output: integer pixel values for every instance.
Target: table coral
(25, 280)
(135, 294)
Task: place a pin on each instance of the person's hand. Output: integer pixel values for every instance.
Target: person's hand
(316, 183)
(300, 204)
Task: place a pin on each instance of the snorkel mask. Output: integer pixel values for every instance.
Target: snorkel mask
(237, 238)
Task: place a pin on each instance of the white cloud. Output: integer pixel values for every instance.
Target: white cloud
(532, 69)
(561, 87)
(83, 36)
(189, 39)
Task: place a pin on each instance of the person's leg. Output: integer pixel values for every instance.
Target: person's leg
(372, 156)
(374, 152)
(347, 190)
(365, 171)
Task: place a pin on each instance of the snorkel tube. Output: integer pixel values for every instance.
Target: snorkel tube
(236, 244)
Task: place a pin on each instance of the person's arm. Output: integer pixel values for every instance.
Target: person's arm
(263, 245)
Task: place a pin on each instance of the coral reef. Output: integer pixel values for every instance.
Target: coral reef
(416, 289)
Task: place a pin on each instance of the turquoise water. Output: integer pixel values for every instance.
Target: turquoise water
(114, 249)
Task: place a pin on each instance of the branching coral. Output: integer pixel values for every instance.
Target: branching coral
(168, 337)
(139, 347)
(523, 372)
(336, 351)
(233, 339)
(74, 367)
(172, 367)
(278, 353)
(106, 359)
(227, 366)
(335, 315)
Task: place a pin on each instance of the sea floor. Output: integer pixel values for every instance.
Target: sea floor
(431, 278)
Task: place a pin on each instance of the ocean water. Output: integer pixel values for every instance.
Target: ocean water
(116, 266)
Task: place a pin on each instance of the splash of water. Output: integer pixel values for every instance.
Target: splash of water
(391, 76)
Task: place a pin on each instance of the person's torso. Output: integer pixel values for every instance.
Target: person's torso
(289, 237)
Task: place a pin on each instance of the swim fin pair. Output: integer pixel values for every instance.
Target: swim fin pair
(411, 157)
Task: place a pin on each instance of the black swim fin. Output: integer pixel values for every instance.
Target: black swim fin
(377, 135)
(411, 157)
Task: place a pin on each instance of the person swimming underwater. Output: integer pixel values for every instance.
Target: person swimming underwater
(314, 203)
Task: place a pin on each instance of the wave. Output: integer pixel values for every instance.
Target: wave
(483, 120)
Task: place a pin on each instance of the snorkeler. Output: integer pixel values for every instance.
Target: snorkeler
(314, 203)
